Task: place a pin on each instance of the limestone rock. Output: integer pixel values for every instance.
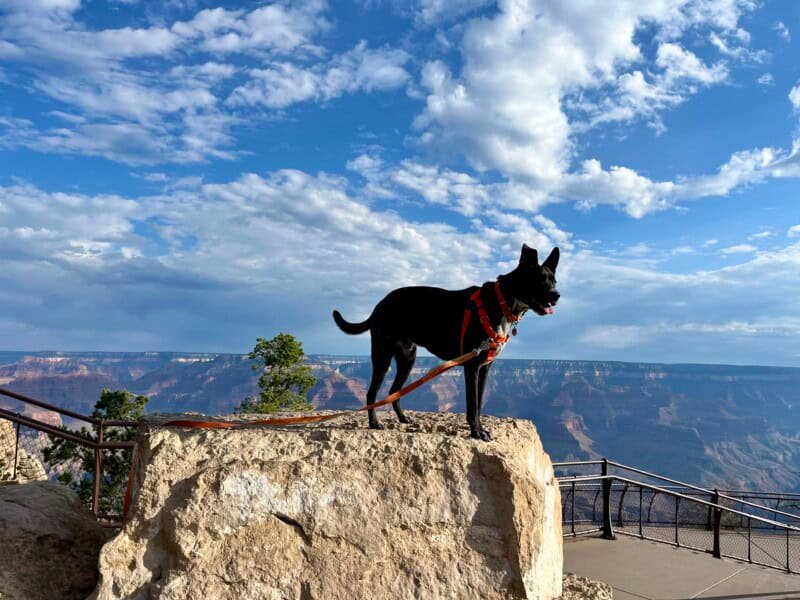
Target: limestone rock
(338, 511)
(49, 543)
(577, 587)
(28, 466)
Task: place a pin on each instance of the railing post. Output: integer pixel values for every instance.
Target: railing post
(16, 453)
(620, 522)
(717, 550)
(98, 465)
(749, 535)
(641, 495)
(677, 508)
(572, 509)
(788, 566)
(608, 530)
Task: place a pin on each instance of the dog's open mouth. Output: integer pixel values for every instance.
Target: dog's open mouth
(546, 308)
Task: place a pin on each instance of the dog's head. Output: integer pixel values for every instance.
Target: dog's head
(535, 284)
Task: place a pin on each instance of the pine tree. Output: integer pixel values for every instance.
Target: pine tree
(285, 380)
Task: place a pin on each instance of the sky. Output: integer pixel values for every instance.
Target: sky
(189, 175)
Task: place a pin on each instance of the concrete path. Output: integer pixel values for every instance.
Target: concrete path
(640, 569)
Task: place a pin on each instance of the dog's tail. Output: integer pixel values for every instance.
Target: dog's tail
(347, 327)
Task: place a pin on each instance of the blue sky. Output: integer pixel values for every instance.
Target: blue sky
(189, 175)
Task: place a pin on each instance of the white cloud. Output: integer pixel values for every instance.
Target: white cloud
(738, 249)
(782, 30)
(285, 239)
(766, 79)
(793, 230)
(171, 108)
(679, 63)
(739, 52)
(434, 11)
(283, 29)
(794, 97)
(761, 235)
(504, 110)
(615, 336)
(360, 69)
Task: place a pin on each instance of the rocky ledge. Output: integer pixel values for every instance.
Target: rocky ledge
(49, 543)
(338, 511)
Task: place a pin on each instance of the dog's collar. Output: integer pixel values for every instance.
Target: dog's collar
(495, 339)
(510, 317)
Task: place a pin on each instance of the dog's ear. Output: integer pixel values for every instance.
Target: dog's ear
(551, 262)
(528, 255)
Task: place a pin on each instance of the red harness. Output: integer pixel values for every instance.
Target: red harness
(496, 340)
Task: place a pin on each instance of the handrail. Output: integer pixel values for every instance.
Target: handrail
(48, 406)
(743, 493)
(713, 525)
(65, 411)
(661, 490)
(742, 501)
(67, 435)
(97, 445)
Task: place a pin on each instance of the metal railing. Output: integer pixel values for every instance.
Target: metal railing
(98, 444)
(679, 514)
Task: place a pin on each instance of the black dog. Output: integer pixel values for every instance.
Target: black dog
(438, 320)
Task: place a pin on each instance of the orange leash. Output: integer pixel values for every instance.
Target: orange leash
(391, 398)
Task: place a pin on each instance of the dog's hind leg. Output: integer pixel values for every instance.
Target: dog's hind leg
(404, 359)
(381, 359)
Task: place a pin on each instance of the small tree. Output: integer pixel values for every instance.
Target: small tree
(285, 381)
(77, 462)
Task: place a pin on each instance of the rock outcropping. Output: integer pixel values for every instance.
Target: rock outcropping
(28, 466)
(49, 543)
(337, 511)
(577, 587)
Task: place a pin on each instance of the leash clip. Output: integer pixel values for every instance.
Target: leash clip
(485, 345)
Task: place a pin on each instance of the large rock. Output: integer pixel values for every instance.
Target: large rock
(49, 543)
(338, 511)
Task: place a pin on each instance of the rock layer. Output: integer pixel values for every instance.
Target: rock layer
(339, 512)
(49, 543)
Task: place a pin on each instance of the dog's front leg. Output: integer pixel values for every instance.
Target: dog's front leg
(483, 372)
(473, 414)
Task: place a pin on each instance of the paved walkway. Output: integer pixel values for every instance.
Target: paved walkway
(640, 569)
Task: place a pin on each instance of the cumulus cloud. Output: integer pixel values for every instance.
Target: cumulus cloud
(360, 69)
(530, 69)
(173, 108)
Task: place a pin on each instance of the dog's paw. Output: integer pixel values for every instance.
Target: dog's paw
(407, 420)
(482, 435)
(375, 425)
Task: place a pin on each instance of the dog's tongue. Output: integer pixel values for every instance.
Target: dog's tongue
(548, 310)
